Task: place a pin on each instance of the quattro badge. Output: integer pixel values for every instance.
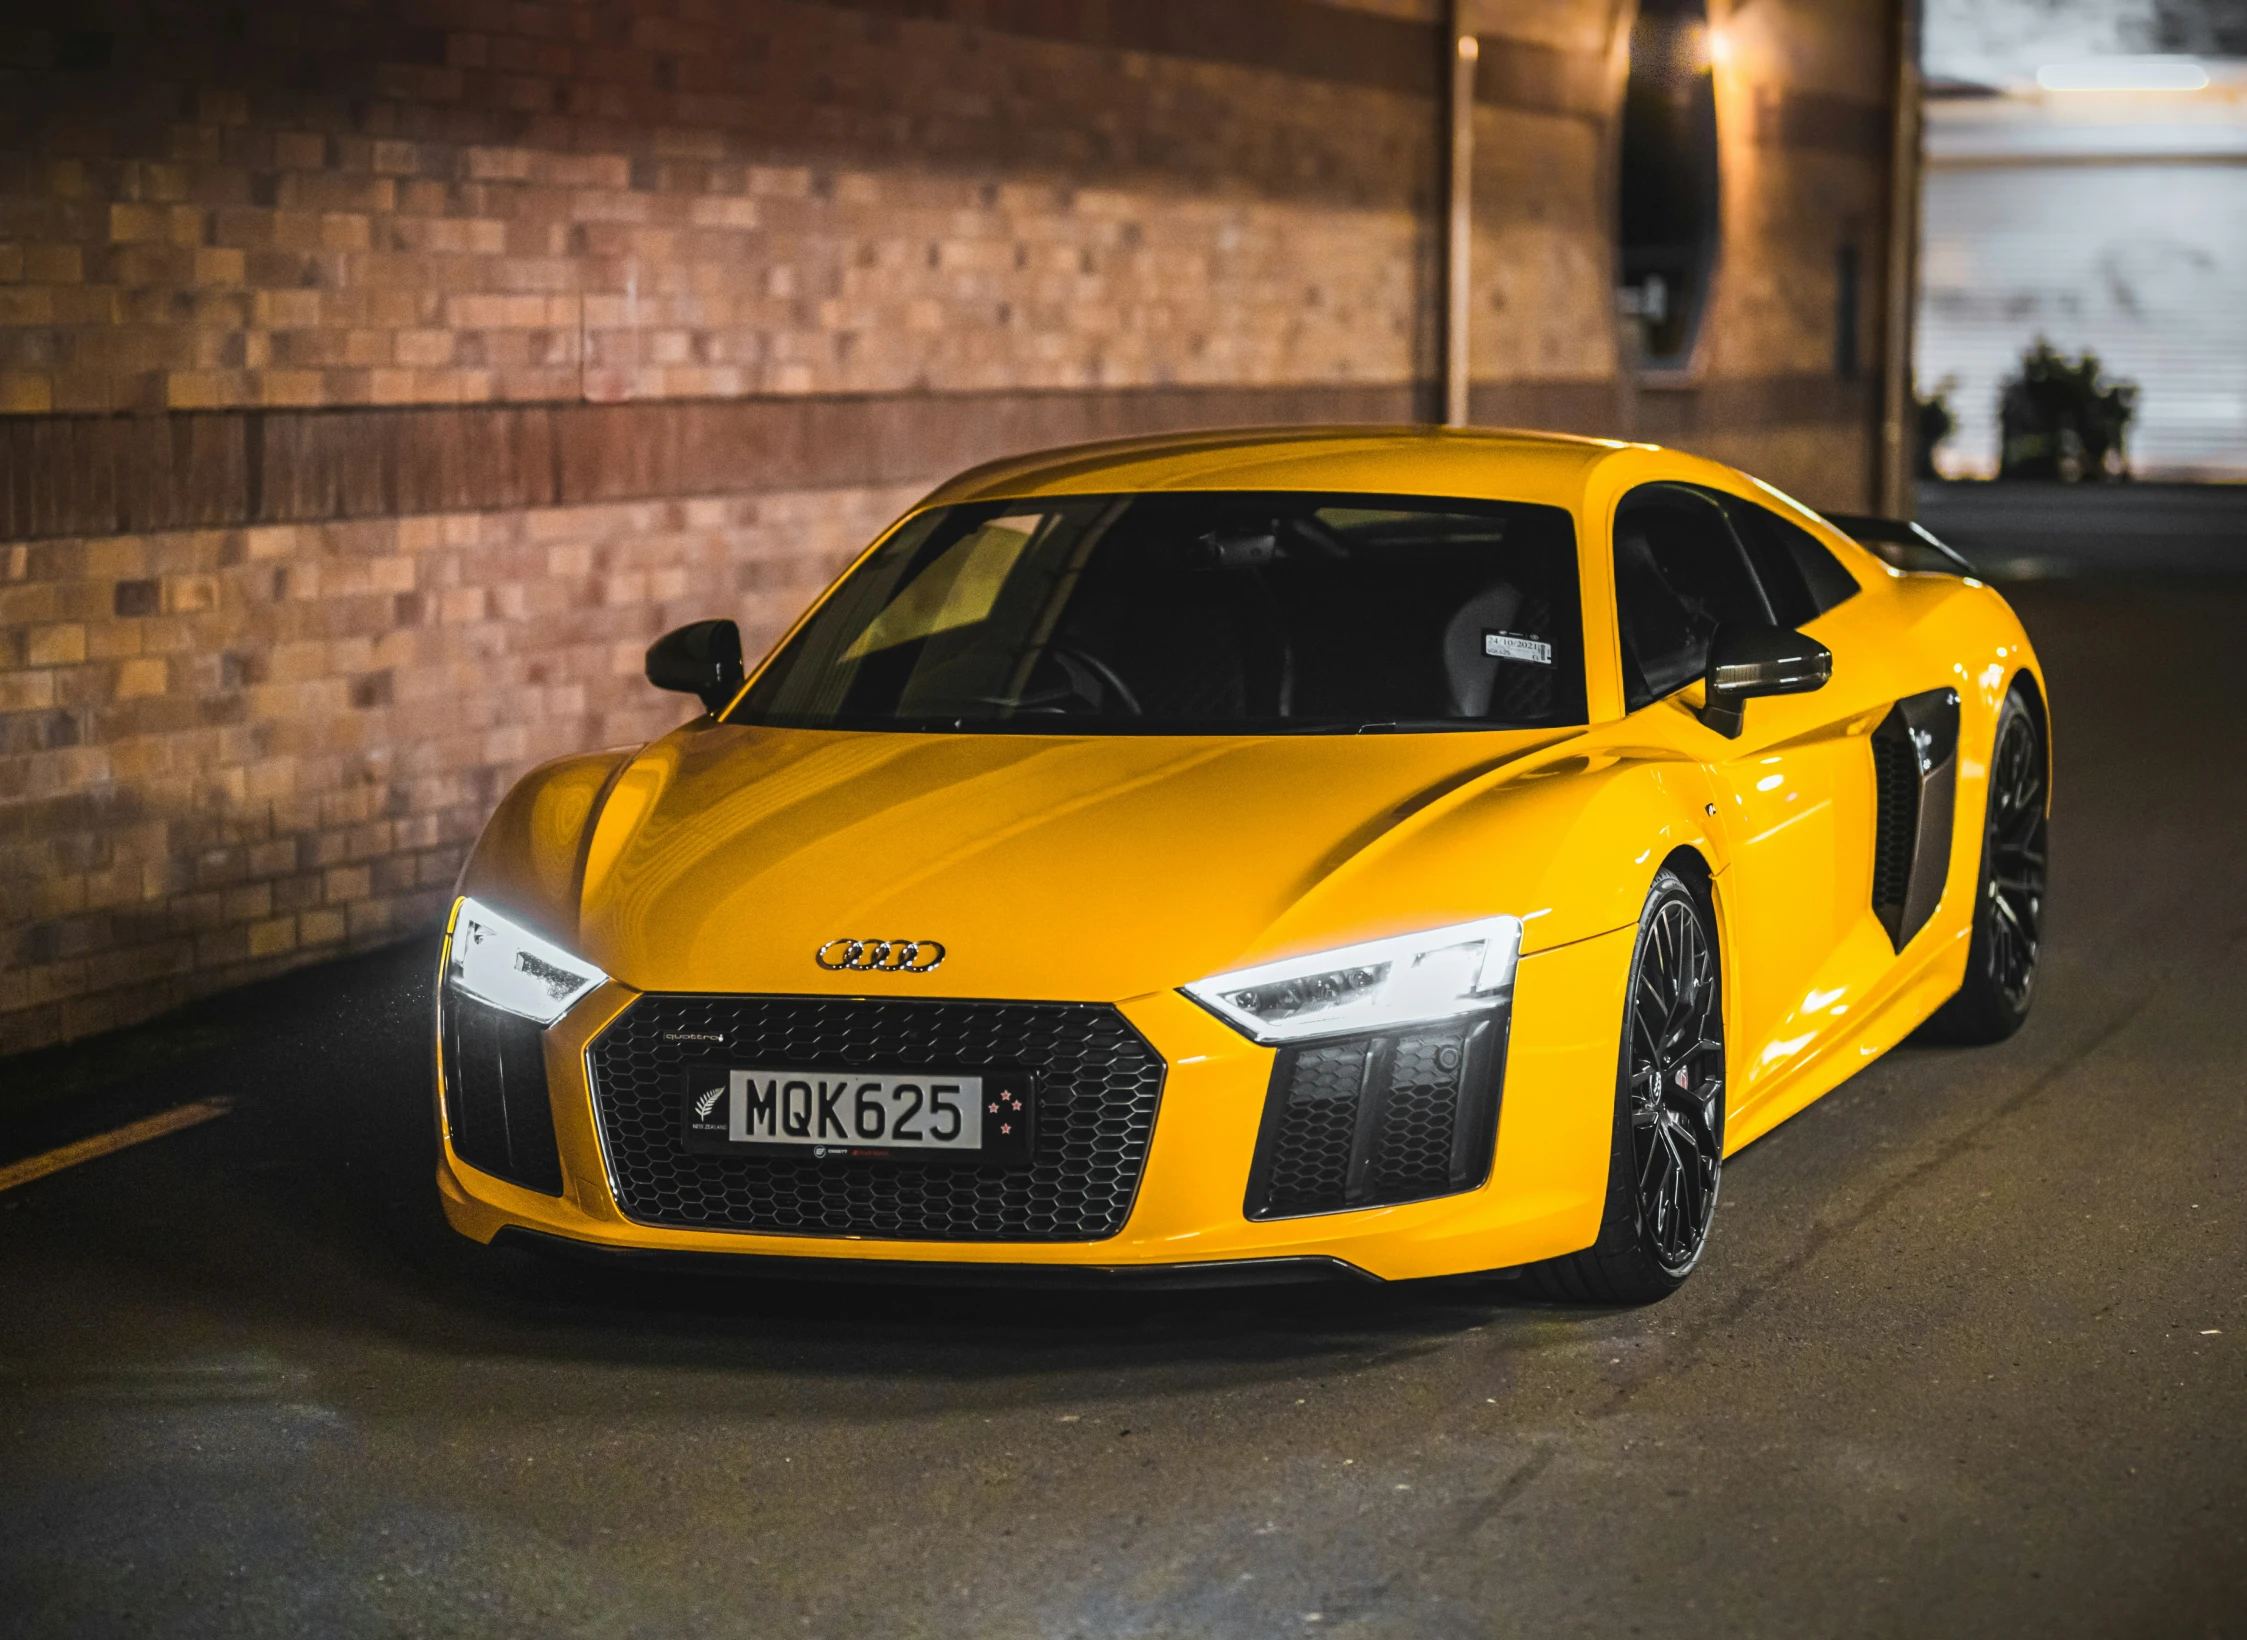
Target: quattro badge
(880, 956)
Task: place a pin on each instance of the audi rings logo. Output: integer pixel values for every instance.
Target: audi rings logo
(880, 956)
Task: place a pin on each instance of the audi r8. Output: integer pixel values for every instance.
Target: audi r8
(1254, 856)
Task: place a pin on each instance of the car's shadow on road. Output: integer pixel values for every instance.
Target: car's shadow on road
(313, 1210)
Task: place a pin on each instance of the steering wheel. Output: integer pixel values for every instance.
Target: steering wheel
(1100, 669)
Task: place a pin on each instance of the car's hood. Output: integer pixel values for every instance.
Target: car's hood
(723, 858)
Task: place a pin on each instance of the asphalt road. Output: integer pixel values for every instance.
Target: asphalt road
(1966, 1356)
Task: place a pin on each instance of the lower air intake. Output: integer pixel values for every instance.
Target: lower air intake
(1097, 1085)
(496, 1108)
(1374, 1120)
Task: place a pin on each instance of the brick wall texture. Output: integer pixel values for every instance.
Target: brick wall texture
(377, 380)
(230, 750)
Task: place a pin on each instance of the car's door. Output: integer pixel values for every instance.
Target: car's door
(1900, 855)
(1791, 791)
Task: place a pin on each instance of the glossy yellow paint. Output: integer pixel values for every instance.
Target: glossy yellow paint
(1114, 869)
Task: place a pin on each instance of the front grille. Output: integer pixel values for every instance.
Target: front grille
(1376, 1120)
(1098, 1083)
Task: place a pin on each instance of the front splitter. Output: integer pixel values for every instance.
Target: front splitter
(1237, 1272)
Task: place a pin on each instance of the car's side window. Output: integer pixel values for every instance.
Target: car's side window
(1803, 579)
(1679, 574)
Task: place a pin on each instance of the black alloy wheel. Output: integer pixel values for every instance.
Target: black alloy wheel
(1676, 1084)
(1667, 1152)
(2000, 982)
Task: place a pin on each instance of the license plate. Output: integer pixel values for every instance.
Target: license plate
(978, 1116)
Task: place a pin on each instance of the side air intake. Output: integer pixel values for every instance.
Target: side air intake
(1915, 773)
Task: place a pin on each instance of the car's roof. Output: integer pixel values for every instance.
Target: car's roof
(1496, 464)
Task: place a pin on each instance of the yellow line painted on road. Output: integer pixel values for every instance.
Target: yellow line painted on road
(102, 1144)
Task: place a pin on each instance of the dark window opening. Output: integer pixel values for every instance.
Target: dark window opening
(1800, 576)
(1667, 223)
(1196, 613)
(1680, 574)
(1688, 560)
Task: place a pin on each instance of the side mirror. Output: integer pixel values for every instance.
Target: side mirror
(1747, 661)
(703, 659)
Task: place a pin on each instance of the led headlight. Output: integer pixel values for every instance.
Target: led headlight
(504, 964)
(1414, 978)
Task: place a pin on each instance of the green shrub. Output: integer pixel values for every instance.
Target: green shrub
(1936, 423)
(2058, 420)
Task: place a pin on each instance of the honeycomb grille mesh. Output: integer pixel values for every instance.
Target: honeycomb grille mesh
(1098, 1083)
(1310, 1152)
(1412, 1145)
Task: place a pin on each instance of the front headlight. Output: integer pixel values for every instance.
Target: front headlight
(502, 963)
(1411, 979)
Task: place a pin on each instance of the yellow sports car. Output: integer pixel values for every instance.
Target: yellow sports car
(1253, 856)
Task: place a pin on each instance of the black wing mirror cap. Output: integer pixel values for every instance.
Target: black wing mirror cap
(1750, 660)
(703, 660)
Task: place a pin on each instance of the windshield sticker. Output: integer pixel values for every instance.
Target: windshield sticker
(1512, 646)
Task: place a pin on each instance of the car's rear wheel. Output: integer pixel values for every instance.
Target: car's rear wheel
(1667, 1147)
(2001, 958)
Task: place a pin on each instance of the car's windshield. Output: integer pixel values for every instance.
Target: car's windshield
(1196, 613)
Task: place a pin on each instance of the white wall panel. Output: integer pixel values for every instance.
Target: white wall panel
(2143, 263)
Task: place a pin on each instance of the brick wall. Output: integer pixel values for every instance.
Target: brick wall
(359, 205)
(233, 749)
(377, 381)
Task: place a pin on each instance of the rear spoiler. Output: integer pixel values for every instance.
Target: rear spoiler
(1903, 544)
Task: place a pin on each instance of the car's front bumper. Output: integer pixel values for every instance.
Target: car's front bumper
(1542, 1196)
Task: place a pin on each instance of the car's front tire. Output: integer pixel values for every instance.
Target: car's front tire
(1667, 1146)
(1993, 1001)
